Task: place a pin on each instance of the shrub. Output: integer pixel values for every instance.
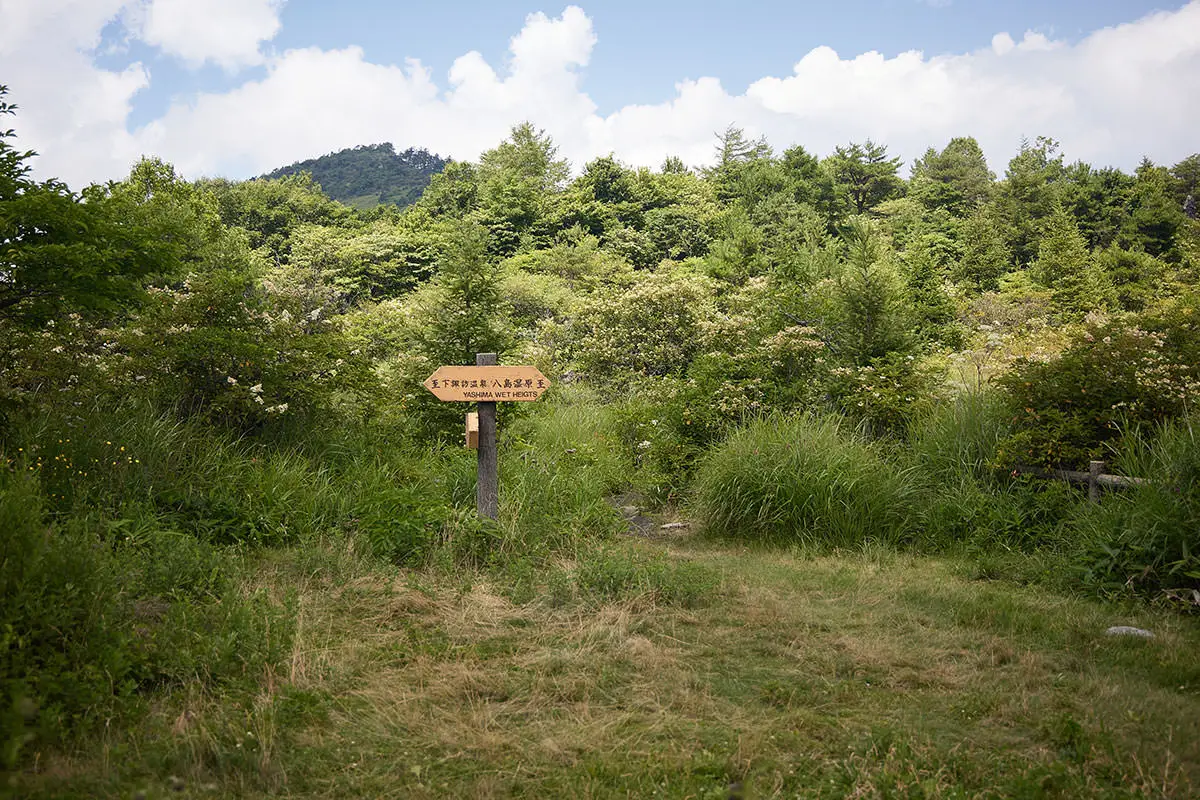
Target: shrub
(965, 502)
(65, 648)
(979, 517)
(652, 328)
(1067, 410)
(95, 609)
(805, 480)
(886, 394)
(658, 433)
(397, 515)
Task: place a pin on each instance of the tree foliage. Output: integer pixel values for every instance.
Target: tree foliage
(369, 175)
(61, 252)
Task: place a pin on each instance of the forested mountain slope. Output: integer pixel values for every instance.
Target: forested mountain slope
(370, 175)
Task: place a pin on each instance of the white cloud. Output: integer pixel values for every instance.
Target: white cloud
(313, 101)
(226, 32)
(70, 109)
(1118, 94)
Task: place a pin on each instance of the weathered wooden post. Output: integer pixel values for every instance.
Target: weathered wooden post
(486, 383)
(1095, 470)
(487, 485)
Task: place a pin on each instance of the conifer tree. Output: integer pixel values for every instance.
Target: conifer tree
(1067, 269)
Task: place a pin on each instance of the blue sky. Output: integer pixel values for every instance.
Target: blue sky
(236, 87)
(646, 47)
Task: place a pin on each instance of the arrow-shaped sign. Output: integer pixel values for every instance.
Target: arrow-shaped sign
(468, 384)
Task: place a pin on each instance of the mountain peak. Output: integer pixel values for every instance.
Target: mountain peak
(370, 174)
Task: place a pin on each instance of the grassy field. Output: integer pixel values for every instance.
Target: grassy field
(681, 668)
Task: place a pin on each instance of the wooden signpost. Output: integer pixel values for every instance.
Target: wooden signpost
(486, 383)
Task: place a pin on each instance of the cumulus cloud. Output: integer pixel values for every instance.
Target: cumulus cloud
(70, 108)
(226, 32)
(1119, 93)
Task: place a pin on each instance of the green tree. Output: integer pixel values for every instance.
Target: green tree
(607, 180)
(1138, 278)
(380, 260)
(674, 165)
(516, 181)
(1186, 175)
(864, 175)
(271, 210)
(956, 179)
(1154, 214)
(734, 153)
(61, 252)
(453, 192)
(927, 260)
(1067, 269)
(873, 319)
(1030, 193)
(470, 317)
(803, 171)
(1098, 199)
(985, 256)
(678, 232)
(737, 254)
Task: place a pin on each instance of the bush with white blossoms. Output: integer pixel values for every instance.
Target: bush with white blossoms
(242, 350)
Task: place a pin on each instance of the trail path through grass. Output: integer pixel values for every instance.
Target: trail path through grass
(861, 675)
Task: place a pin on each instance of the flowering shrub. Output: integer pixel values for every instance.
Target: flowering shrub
(242, 351)
(652, 328)
(1066, 410)
(886, 394)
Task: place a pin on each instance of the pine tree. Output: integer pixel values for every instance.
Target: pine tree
(1067, 269)
(985, 257)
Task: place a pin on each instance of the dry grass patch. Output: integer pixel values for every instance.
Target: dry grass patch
(868, 675)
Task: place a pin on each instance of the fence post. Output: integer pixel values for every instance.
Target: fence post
(1095, 470)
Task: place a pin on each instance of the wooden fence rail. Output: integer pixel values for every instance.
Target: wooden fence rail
(1095, 478)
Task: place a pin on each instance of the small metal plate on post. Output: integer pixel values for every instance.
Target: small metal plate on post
(472, 431)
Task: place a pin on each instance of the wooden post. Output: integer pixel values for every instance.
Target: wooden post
(487, 486)
(1095, 470)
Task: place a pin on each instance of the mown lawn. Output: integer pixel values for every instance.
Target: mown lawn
(769, 674)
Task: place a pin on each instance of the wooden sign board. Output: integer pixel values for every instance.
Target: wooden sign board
(472, 431)
(491, 384)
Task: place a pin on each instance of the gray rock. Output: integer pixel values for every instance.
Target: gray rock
(1125, 630)
(640, 525)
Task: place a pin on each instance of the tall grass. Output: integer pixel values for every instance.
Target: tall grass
(557, 467)
(94, 609)
(964, 502)
(1147, 540)
(805, 480)
(958, 438)
(127, 540)
(225, 490)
